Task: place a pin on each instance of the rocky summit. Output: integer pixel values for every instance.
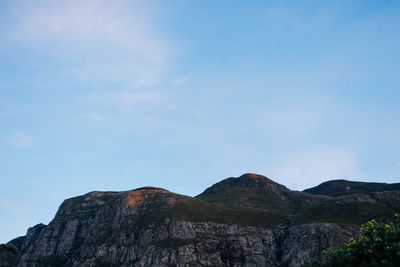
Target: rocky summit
(245, 221)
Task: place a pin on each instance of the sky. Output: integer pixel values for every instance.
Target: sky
(115, 95)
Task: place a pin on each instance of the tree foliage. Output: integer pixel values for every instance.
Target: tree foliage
(378, 245)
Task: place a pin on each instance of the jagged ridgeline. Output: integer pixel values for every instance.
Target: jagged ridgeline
(245, 221)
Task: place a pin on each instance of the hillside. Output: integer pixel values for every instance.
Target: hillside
(245, 221)
(337, 188)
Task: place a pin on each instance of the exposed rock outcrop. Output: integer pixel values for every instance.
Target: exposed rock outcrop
(178, 243)
(9, 255)
(245, 221)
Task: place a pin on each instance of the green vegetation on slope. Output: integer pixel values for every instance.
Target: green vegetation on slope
(378, 246)
(250, 199)
(258, 192)
(337, 188)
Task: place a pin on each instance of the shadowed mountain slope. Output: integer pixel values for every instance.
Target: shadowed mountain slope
(311, 205)
(337, 188)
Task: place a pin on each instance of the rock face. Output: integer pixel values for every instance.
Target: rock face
(245, 221)
(178, 243)
(302, 242)
(8, 255)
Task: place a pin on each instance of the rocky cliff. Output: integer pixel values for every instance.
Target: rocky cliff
(244, 221)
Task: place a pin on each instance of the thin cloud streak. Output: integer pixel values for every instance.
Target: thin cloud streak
(319, 164)
(19, 140)
(99, 31)
(128, 100)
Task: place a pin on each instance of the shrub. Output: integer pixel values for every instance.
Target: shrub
(378, 245)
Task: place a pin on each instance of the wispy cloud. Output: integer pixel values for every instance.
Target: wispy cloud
(103, 35)
(318, 164)
(19, 140)
(6, 205)
(128, 100)
(291, 122)
(180, 81)
(94, 117)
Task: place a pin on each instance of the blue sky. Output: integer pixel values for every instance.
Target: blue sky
(114, 95)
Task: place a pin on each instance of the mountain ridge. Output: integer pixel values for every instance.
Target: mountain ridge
(341, 187)
(222, 226)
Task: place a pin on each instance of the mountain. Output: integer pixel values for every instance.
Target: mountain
(337, 188)
(245, 221)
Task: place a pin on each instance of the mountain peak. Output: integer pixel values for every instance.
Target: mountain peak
(151, 189)
(258, 179)
(250, 190)
(137, 197)
(151, 226)
(247, 180)
(253, 177)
